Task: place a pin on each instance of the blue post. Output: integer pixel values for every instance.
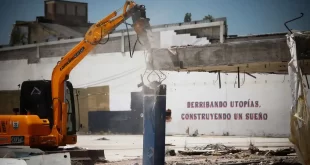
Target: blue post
(154, 122)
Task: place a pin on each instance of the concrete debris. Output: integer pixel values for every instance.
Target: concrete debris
(218, 160)
(182, 46)
(211, 149)
(282, 152)
(253, 149)
(103, 138)
(49, 159)
(195, 133)
(11, 161)
(192, 135)
(170, 152)
(68, 147)
(29, 159)
(218, 147)
(232, 152)
(223, 161)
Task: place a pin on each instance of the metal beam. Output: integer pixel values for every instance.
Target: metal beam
(154, 122)
(219, 77)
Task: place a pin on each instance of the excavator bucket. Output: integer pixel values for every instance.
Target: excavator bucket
(141, 24)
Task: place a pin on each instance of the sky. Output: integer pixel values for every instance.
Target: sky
(243, 16)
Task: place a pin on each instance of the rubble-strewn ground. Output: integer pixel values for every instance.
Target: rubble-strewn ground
(202, 160)
(127, 149)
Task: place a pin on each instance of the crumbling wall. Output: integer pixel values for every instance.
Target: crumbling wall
(228, 54)
(299, 119)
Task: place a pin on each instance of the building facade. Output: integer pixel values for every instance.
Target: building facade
(260, 107)
(61, 20)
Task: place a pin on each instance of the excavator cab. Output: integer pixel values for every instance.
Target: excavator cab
(36, 99)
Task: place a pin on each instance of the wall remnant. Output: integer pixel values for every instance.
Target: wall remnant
(300, 109)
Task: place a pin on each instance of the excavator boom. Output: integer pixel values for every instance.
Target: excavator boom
(92, 38)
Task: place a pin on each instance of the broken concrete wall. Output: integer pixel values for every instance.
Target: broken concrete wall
(274, 50)
(39, 33)
(211, 33)
(299, 118)
(254, 54)
(303, 46)
(170, 38)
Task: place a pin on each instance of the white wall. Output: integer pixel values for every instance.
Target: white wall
(272, 93)
(121, 73)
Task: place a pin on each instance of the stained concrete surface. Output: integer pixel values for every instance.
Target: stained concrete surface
(227, 54)
(126, 147)
(267, 54)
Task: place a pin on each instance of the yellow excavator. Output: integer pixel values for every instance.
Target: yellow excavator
(46, 117)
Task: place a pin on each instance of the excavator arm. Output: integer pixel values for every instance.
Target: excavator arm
(92, 38)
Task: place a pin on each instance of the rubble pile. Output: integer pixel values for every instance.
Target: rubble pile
(221, 154)
(103, 138)
(170, 152)
(210, 149)
(217, 147)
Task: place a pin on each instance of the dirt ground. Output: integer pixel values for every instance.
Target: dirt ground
(181, 150)
(214, 154)
(215, 160)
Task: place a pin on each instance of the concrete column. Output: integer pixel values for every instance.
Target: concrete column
(154, 122)
(35, 56)
(222, 28)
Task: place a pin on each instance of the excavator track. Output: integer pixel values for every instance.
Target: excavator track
(77, 156)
